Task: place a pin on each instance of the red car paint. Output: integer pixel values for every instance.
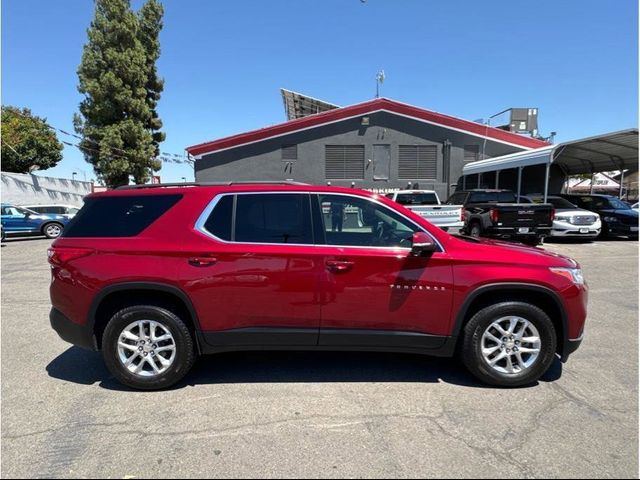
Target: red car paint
(239, 285)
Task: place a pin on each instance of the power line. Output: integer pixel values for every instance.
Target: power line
(164, 156)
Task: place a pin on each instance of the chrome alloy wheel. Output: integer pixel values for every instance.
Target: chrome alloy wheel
(511, 345)
(53, 230)
(146, 348)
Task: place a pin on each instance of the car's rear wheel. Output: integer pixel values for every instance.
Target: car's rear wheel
(475, 230)
(52, 229)
(509, 344)
(148, 347)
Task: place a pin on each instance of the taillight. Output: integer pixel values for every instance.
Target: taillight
(462, 214)
(553, 214)
(59, 256)
(494, 215)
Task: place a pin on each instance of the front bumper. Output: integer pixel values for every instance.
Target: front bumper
(570, 346)
(619, 228)
(78, 335)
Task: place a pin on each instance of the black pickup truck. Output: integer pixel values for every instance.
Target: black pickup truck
(498, 214)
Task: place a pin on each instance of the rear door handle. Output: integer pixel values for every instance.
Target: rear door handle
(202, 261)
(339, 266)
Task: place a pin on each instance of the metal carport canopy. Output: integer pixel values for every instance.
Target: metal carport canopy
(602, 153)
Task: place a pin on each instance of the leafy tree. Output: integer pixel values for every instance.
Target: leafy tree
(121, 88)
(27, 141)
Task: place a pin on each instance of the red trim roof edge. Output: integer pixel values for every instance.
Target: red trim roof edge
(361, 109)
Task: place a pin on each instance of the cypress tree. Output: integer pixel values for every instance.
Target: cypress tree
(118, 78)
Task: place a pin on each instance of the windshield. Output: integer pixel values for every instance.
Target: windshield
(560, 203)
(417, 199)
(618, 204)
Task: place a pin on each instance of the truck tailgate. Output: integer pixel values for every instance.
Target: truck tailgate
(438, 214)
(524, 215)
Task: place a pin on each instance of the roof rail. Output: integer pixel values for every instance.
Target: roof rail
(208, 184)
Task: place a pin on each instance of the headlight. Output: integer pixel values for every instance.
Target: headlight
(573, 274)
(610, 219)
(562, 219)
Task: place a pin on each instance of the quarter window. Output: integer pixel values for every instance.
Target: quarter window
(219, 222)
(352, 221)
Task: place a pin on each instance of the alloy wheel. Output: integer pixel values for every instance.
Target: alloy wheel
(511, 345)
(146, 348)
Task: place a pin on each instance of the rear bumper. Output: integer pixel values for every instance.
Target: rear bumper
(510, 232)
(78, 335)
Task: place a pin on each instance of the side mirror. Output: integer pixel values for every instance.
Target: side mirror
(423, 245)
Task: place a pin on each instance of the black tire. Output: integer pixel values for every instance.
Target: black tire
(472, 348)
(52, 230)
(532, 242)
(475, 230)
(184, 356)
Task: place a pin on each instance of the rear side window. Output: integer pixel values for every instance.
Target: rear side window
(273, 218)
(124, 216)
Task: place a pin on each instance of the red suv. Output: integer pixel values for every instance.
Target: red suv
(153, 276)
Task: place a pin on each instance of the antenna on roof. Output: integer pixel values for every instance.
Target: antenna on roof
(380, 76)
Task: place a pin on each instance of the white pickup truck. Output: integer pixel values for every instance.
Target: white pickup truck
(427, 204)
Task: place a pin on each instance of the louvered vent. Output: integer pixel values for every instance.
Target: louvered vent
(417, 162)
(289, 152)
(344, 162)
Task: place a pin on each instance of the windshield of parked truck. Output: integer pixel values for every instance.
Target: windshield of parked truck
(417, 199)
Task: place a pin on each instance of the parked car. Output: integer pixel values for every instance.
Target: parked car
(571, 221)
(426, 203)
(22, 221)
(618, 218)
(181, 271)
(68, 211)
(499, 214)
(635, 206)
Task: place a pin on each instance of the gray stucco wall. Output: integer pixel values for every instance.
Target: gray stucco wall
(27, 189)
(263, 160)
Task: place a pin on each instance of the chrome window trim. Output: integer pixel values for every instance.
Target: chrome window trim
(204, 216)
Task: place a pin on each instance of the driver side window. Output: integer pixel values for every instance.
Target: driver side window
(358, 222)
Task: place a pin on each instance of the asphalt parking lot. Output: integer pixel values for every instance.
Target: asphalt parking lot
(320, 414)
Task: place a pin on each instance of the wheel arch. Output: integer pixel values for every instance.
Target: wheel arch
(538, 295)
(114, 297)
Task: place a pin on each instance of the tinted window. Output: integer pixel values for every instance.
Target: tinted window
(507, 197)
(483, 197)
(417, 199)
(353, 221)
(219, 222)
(618, 204)
(125, 216)
(457, 198)
(273, 218)
(560, 203)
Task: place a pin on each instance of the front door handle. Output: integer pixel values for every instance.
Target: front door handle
(202, 261)
(339, 266)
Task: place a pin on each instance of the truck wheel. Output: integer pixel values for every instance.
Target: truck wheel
(509, 344)
(147, 347)
(52, 230)
(475, 230)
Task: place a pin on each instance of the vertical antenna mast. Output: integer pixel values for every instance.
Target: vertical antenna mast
(380, 76)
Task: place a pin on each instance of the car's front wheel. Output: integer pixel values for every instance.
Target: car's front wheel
(509, 344)
(148, 347)
(52, 230)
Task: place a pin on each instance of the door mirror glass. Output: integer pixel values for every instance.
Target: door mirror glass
(423, 245)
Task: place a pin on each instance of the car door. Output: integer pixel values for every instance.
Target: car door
(254, 273)
(375, 293)
(16, 220)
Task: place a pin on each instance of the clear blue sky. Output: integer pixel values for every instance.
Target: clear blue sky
(224, 61)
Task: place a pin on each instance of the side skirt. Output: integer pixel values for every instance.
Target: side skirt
(287, 339)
